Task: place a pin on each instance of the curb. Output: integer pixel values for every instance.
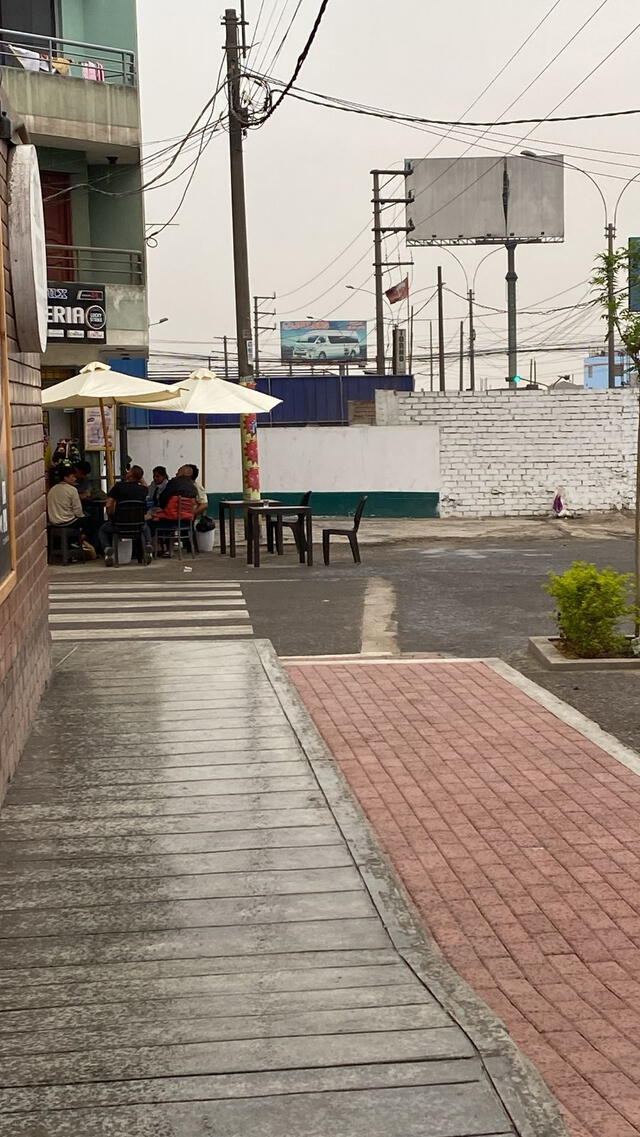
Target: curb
(526, 1098)
(544, 650)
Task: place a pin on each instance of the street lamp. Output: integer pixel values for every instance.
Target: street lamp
(609, 232)
(164, 320)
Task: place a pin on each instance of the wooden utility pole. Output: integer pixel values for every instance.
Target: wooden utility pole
(237, 126)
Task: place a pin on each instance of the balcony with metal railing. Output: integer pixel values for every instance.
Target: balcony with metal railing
(68, 91)
(67, 58)
(91, 265)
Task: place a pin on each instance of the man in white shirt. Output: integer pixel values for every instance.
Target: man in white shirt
(63, 503)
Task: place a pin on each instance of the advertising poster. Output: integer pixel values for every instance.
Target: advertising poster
(93, 435)
(323, 341)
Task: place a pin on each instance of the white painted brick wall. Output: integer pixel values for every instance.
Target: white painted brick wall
(504, 454)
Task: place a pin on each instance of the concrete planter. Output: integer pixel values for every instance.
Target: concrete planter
(543, 648)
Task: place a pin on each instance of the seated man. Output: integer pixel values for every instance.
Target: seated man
(132, 489)
(202, 501)
(181, 487)
(83, 483)
(64, 507)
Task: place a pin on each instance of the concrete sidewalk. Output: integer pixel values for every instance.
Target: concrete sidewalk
(513, 821)
(189, 944)
(394, 530)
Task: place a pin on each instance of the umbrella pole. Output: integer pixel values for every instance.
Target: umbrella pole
(202, 420)
(107, 446)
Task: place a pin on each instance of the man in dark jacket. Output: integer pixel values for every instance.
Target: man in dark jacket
(131, 489)
(182, 485)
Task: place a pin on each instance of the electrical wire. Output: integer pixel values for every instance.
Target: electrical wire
(286, 35)
(155, 181)
(333, 102)
(300, 62)
(451, 124)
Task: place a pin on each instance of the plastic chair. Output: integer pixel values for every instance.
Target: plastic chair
(295, 524)
(128, 523)
(350, 534)
(182, 529)
(64, 540)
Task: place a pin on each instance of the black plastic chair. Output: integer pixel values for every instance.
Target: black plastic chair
(128, 525)
(295, 524)
(350, 534)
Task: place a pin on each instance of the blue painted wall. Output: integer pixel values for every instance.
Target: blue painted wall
(306, 400)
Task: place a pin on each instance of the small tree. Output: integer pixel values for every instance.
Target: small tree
(591, 603)
(616, 267)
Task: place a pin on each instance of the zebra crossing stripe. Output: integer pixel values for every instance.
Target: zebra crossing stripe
(129, 612)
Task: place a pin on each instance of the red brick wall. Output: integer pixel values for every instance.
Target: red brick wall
(24, 635)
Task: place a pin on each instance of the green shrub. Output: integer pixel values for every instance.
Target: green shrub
(591, 602)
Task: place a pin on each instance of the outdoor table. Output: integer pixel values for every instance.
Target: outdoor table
(94, 508)
(231, 507)
(277, 512)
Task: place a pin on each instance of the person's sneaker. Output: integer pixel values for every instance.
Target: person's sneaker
(148, 554)
(108, 558)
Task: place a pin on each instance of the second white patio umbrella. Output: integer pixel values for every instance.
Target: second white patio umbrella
(204, 393)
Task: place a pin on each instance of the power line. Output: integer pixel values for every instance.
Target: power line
(286, 35)
(300, 63)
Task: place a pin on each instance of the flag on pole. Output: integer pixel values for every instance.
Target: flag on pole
(398, 292)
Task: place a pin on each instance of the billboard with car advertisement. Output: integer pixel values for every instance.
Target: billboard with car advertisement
(323, 341)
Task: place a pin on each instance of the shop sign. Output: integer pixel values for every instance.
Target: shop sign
(76, 313)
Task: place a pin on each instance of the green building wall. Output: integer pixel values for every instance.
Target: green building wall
(107, 23)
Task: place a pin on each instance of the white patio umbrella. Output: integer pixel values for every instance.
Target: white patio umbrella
(204, 393)
(98, 385)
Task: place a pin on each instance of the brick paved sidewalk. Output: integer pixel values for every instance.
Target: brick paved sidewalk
(518, 840)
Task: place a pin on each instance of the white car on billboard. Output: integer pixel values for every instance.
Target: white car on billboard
(327, 345)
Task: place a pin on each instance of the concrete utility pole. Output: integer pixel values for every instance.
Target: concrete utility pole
(258, 327)
(611, 299)
(431, 355)
(512, 309)
(472, 345)
(441, 364)
(237, 126)
(461, 377)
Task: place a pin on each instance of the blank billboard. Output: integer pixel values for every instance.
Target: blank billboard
(485, 200)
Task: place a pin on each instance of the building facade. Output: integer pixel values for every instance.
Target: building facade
(70, 69)
(24, 634)
(596, 371)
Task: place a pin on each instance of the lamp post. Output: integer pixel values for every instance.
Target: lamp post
(156, 323)
(609, 232)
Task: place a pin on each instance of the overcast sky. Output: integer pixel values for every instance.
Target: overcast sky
(308, 169)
